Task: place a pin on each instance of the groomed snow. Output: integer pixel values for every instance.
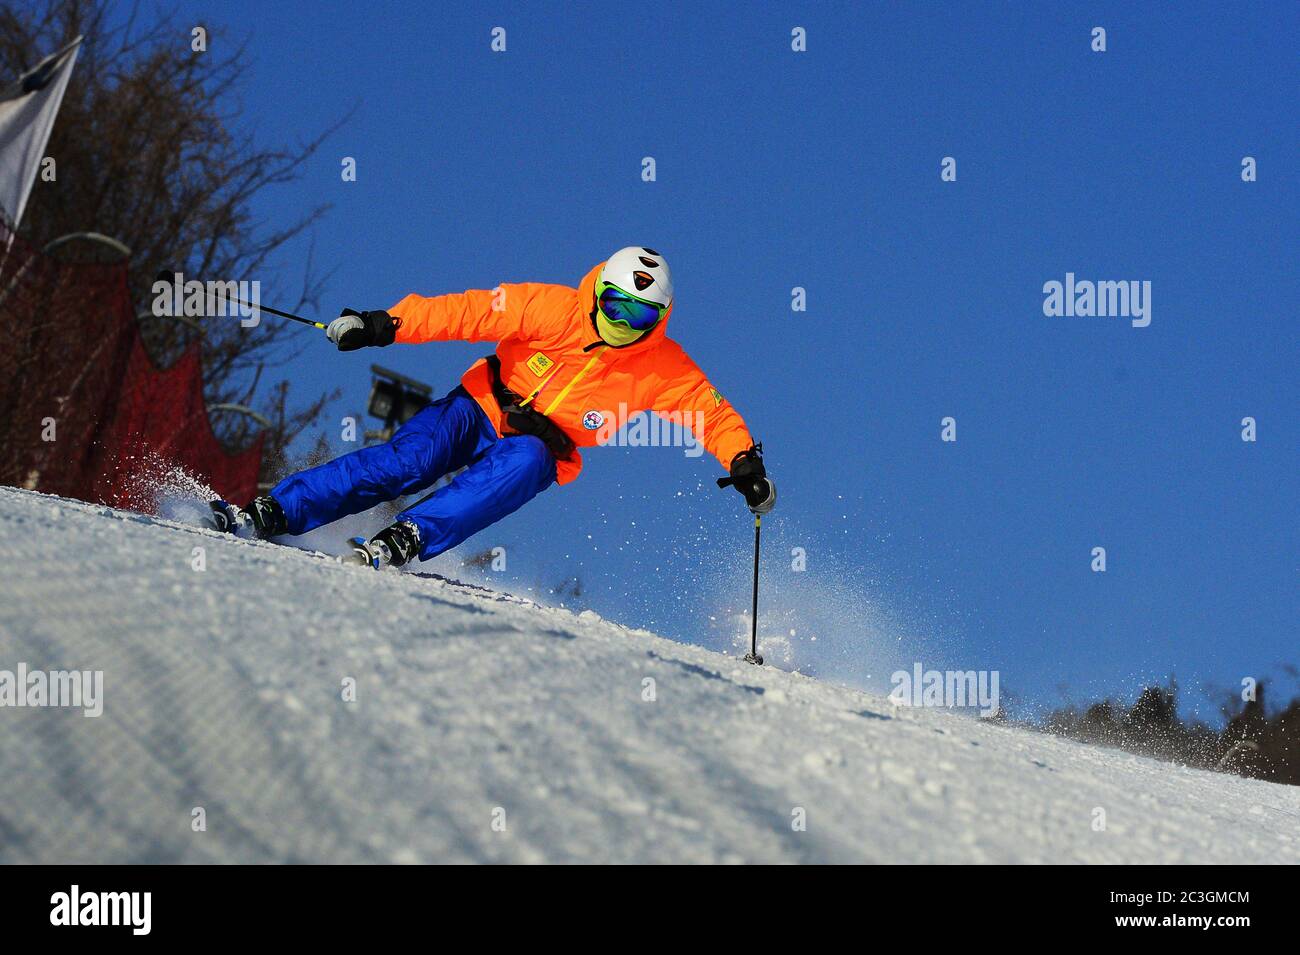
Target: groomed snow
(222, 690)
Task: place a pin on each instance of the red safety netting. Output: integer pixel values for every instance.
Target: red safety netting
(84, 411)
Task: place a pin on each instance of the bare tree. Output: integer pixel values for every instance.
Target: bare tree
(150, 150)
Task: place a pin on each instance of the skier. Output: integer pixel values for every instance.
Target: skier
(565, 357)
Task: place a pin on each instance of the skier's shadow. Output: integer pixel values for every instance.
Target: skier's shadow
(707, 674)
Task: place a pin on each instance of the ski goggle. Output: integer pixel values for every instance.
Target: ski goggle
(618, 306)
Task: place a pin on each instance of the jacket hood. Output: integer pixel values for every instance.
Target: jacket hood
(587, 301)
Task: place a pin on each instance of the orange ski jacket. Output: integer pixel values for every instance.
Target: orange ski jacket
(551, 355)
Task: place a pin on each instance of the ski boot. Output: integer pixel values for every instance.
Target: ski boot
(263, 518)
(392, 547)
(226, 517)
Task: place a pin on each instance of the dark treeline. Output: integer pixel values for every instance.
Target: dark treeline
(1253, 743)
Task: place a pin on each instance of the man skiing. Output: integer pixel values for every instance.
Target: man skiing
(515, 423)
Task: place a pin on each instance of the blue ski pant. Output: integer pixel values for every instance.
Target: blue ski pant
(503, 475)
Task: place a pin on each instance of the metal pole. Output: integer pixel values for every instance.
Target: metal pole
(168, 276)
(753, 656)
(276, 311)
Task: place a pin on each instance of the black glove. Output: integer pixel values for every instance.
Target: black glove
(353, 329)
(749, 477)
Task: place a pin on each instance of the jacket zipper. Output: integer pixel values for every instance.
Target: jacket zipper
(564, 393)
(545, 381)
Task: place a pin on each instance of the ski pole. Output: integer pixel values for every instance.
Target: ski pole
(166, 276)
(276, 311)
(753, 656)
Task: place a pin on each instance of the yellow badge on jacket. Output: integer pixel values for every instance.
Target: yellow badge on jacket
(717, 397)
(539, 364)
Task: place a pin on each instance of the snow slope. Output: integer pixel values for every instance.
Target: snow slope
(222, 690)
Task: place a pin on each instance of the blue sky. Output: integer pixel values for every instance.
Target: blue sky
(821, 169)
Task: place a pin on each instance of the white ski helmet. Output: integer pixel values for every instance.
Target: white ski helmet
(641, 272)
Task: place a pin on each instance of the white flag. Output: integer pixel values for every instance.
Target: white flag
(27, 111)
